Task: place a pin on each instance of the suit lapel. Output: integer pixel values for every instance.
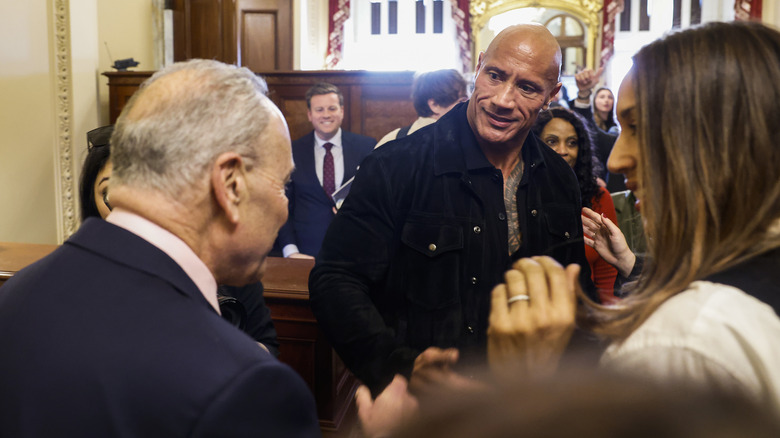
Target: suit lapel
(350, 156)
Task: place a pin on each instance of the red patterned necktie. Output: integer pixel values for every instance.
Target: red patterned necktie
(328, 171)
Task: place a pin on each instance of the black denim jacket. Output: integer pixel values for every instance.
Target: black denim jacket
(412, 256)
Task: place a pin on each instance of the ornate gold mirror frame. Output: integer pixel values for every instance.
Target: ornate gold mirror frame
(587, 11)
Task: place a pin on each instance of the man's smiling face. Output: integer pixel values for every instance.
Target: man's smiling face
(325, 114)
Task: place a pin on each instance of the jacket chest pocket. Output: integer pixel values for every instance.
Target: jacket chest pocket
(433, 262)
(432, 270)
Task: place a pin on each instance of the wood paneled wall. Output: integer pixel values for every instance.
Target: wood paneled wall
(375, 103)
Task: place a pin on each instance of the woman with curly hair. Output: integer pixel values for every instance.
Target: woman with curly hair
(567, 134)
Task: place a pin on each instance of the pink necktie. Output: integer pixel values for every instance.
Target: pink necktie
(328, 172)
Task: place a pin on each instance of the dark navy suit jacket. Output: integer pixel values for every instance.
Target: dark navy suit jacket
(107, 336)
(310, 209)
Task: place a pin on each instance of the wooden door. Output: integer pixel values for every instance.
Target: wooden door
(264, 34)
(253, 33)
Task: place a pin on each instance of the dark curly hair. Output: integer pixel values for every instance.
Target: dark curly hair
(587, 166)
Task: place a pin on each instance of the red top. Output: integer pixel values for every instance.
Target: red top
(602, 273)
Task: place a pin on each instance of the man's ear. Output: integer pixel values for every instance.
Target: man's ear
(552, 95)
(228, 184)
(435, 109)
(479, 61)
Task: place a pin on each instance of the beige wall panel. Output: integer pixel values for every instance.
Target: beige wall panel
(27, 134)
(127, 28)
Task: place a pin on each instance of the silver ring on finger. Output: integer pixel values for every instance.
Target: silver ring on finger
(521, 297)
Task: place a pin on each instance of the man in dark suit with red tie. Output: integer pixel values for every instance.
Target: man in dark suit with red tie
(118, 331)
(324, 159)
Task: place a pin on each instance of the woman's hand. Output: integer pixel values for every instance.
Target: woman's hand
(532, 317)
(605, 237)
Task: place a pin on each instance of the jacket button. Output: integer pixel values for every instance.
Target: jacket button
(533, 213)
(473, 280)
(566, 235)
(432, 247)
(477, 229)
(501, 216)
(469, 329)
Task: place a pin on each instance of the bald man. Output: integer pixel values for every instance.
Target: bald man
(118, 332)
(402, 284)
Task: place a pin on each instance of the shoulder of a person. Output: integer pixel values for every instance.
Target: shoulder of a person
(307, 139)
(390, 136)
(361, 139)
(707, 316)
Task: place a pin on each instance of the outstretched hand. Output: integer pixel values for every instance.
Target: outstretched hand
(605, 237)
(532, 317)
(390, 409)
(433, 371)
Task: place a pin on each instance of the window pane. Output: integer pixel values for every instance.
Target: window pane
(438, 12)
(676, 14)
(644, 16)
(695, 12)
(392, 17)
(554, 26)
(420, 16)
(573, 28)
(376, 12)
(625, 16)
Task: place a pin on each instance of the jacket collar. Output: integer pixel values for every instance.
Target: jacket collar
(125, 248)
(455, 147)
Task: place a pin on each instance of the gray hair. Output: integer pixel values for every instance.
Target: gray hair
(168, 141)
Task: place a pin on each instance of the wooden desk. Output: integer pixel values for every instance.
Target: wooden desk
(301, 342)
(15, 256)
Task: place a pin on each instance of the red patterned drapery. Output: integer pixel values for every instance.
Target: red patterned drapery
(611, 9)
(461, 17)
(338, 12)
(747, 10)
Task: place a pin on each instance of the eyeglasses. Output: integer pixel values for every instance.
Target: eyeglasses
(99, 137)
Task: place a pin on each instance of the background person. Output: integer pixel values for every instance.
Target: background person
(433, 94)
(95, 174)
(324, 159)
(568, 135)
(600, 119)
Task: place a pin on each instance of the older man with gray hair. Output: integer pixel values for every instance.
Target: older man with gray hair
(118, 332)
